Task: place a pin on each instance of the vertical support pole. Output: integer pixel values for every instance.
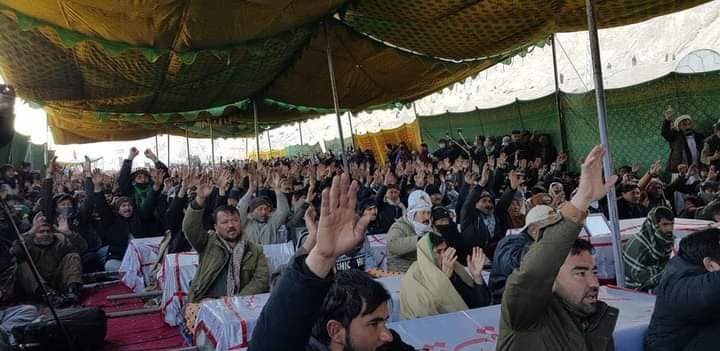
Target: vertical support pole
(168, 149)
(602, 122)
(300, 131)
(157, 147)
(558, 104)
(187, 145)
(352, 131)
(247, 149)
(212, 145)
(336, 103)
(269, 145)
(257, 136)
(47, 141)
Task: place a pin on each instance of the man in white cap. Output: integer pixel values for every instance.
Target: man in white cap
(512, 248)
(685, 143)
(407, 230)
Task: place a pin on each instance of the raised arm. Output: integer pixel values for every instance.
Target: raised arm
(124, 181)
(193, 221)
(280, 214)
(529, 289)
(667, 132)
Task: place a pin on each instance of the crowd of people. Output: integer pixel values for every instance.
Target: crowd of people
(446, 215)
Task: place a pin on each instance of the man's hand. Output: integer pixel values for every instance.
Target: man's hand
(591, 186)
(204, 190)
(157, 176)
(447, 265)
(476, 261)
(51, 168)
(62, 226)
(133, 153)
(223, 181)
(151, 155)
(98, 179)
(38, 220)
(668, 113)
(514, 180)
(339, 230)
(485, 177)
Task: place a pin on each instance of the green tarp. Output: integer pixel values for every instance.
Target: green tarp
(635, 116)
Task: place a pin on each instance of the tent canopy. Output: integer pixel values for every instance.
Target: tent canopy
(118, 70)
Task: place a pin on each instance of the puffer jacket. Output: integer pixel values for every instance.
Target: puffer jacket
(401, 245)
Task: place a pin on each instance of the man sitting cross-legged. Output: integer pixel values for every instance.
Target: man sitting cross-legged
(229, 264)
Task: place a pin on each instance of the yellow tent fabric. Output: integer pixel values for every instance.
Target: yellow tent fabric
(375, 142)
(116, 70)
(266, 155)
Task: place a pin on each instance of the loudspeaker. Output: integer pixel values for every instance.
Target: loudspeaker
(7, 114)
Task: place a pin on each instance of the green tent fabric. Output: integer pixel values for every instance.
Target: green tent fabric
(22, 150)
(118, 70)
(635, 115)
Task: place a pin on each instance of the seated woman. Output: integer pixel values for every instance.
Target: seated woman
(437, 284)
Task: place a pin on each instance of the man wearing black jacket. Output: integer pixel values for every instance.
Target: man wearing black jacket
(353, 309)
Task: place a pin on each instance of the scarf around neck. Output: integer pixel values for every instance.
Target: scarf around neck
(140, 193)
(234, 283)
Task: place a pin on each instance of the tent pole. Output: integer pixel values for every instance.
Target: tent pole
(352, 132)
(269, 145)
(212, 145)
(157, 148)
(558, 104)
(336, 102)
(247, 149)
(300, 130)
(187, 145)
(602, 122)
(168, 149)
(47, 140)
(257, 136)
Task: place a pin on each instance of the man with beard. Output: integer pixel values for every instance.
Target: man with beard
(687, 306)
(310, 309)
(648, 251)
(685, 143)
(551, 301)
(512, 248)
(230, 264)
(405, 232)
(481, 224)
(389, 205)
(56, 254)
(260, 221)
(711, 148)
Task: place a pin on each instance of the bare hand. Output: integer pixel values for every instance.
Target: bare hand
(447, 265)
(62, 226)
(476, 261)
(668, 113)
(150, 155)
(514, 180)
(133, 153)
(591, 186)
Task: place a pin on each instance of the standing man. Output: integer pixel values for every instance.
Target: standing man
(711, 149)
(685, 143)
(551, 301)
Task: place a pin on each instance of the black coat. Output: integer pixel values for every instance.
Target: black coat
(508, 254)
(287, 319)
(687, 309)
(473, 230)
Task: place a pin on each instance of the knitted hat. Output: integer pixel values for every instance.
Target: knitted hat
(259, 201)
(676, 124)
(121, 200)
(439, 212)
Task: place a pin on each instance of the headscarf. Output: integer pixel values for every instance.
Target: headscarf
(418, 201)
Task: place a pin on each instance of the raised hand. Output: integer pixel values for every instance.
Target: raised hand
(514, 180)
(204, 189)
(339, 230)
(668, 113)
(62, 226)
(157, 176)
(312, 226)
(98, 178)
(151, 155)
(475, 262)
(223, 181)
(87, 167)
(51, 168)
(133, 153)
(447, 265)
(591, 186)
(501, 160)
(485, 177)
(38, 220)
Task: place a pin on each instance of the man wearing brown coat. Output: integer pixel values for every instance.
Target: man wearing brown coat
(685, 143)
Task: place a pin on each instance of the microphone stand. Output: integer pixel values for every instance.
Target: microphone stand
(36, 275)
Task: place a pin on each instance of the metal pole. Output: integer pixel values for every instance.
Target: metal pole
(558, 105)
(257, 136)
(157, 149)
(352, 132)
(269, 145)
(336, 103)
(300, 130)
(187, 145)
(247, 149)
(47, 140)
(602, 122)
(168, 148)
(212, 145)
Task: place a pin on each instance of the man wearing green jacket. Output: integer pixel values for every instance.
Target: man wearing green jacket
(551, 301)
(229, 264)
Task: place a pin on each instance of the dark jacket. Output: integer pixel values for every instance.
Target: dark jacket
(687, 309)
(628, 210)
(115, 230)
(387, 213)
(473, 230)
(710, 147)
(532, 316)
(679, 150)
(174, 218)
(508, 254)
(214, 256)
(288, 317)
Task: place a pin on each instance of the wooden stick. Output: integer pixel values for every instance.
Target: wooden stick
(100, 284)
(140, 295)
(136, 312)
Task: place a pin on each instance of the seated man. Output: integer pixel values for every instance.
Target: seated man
(648, 251)
(551, 301)
(687, 308)
(56, 253)
(437, 284)
(260, 221)
(310, 309)
(512, 248)
(628, 204)
(229, 263)
(403, 235)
